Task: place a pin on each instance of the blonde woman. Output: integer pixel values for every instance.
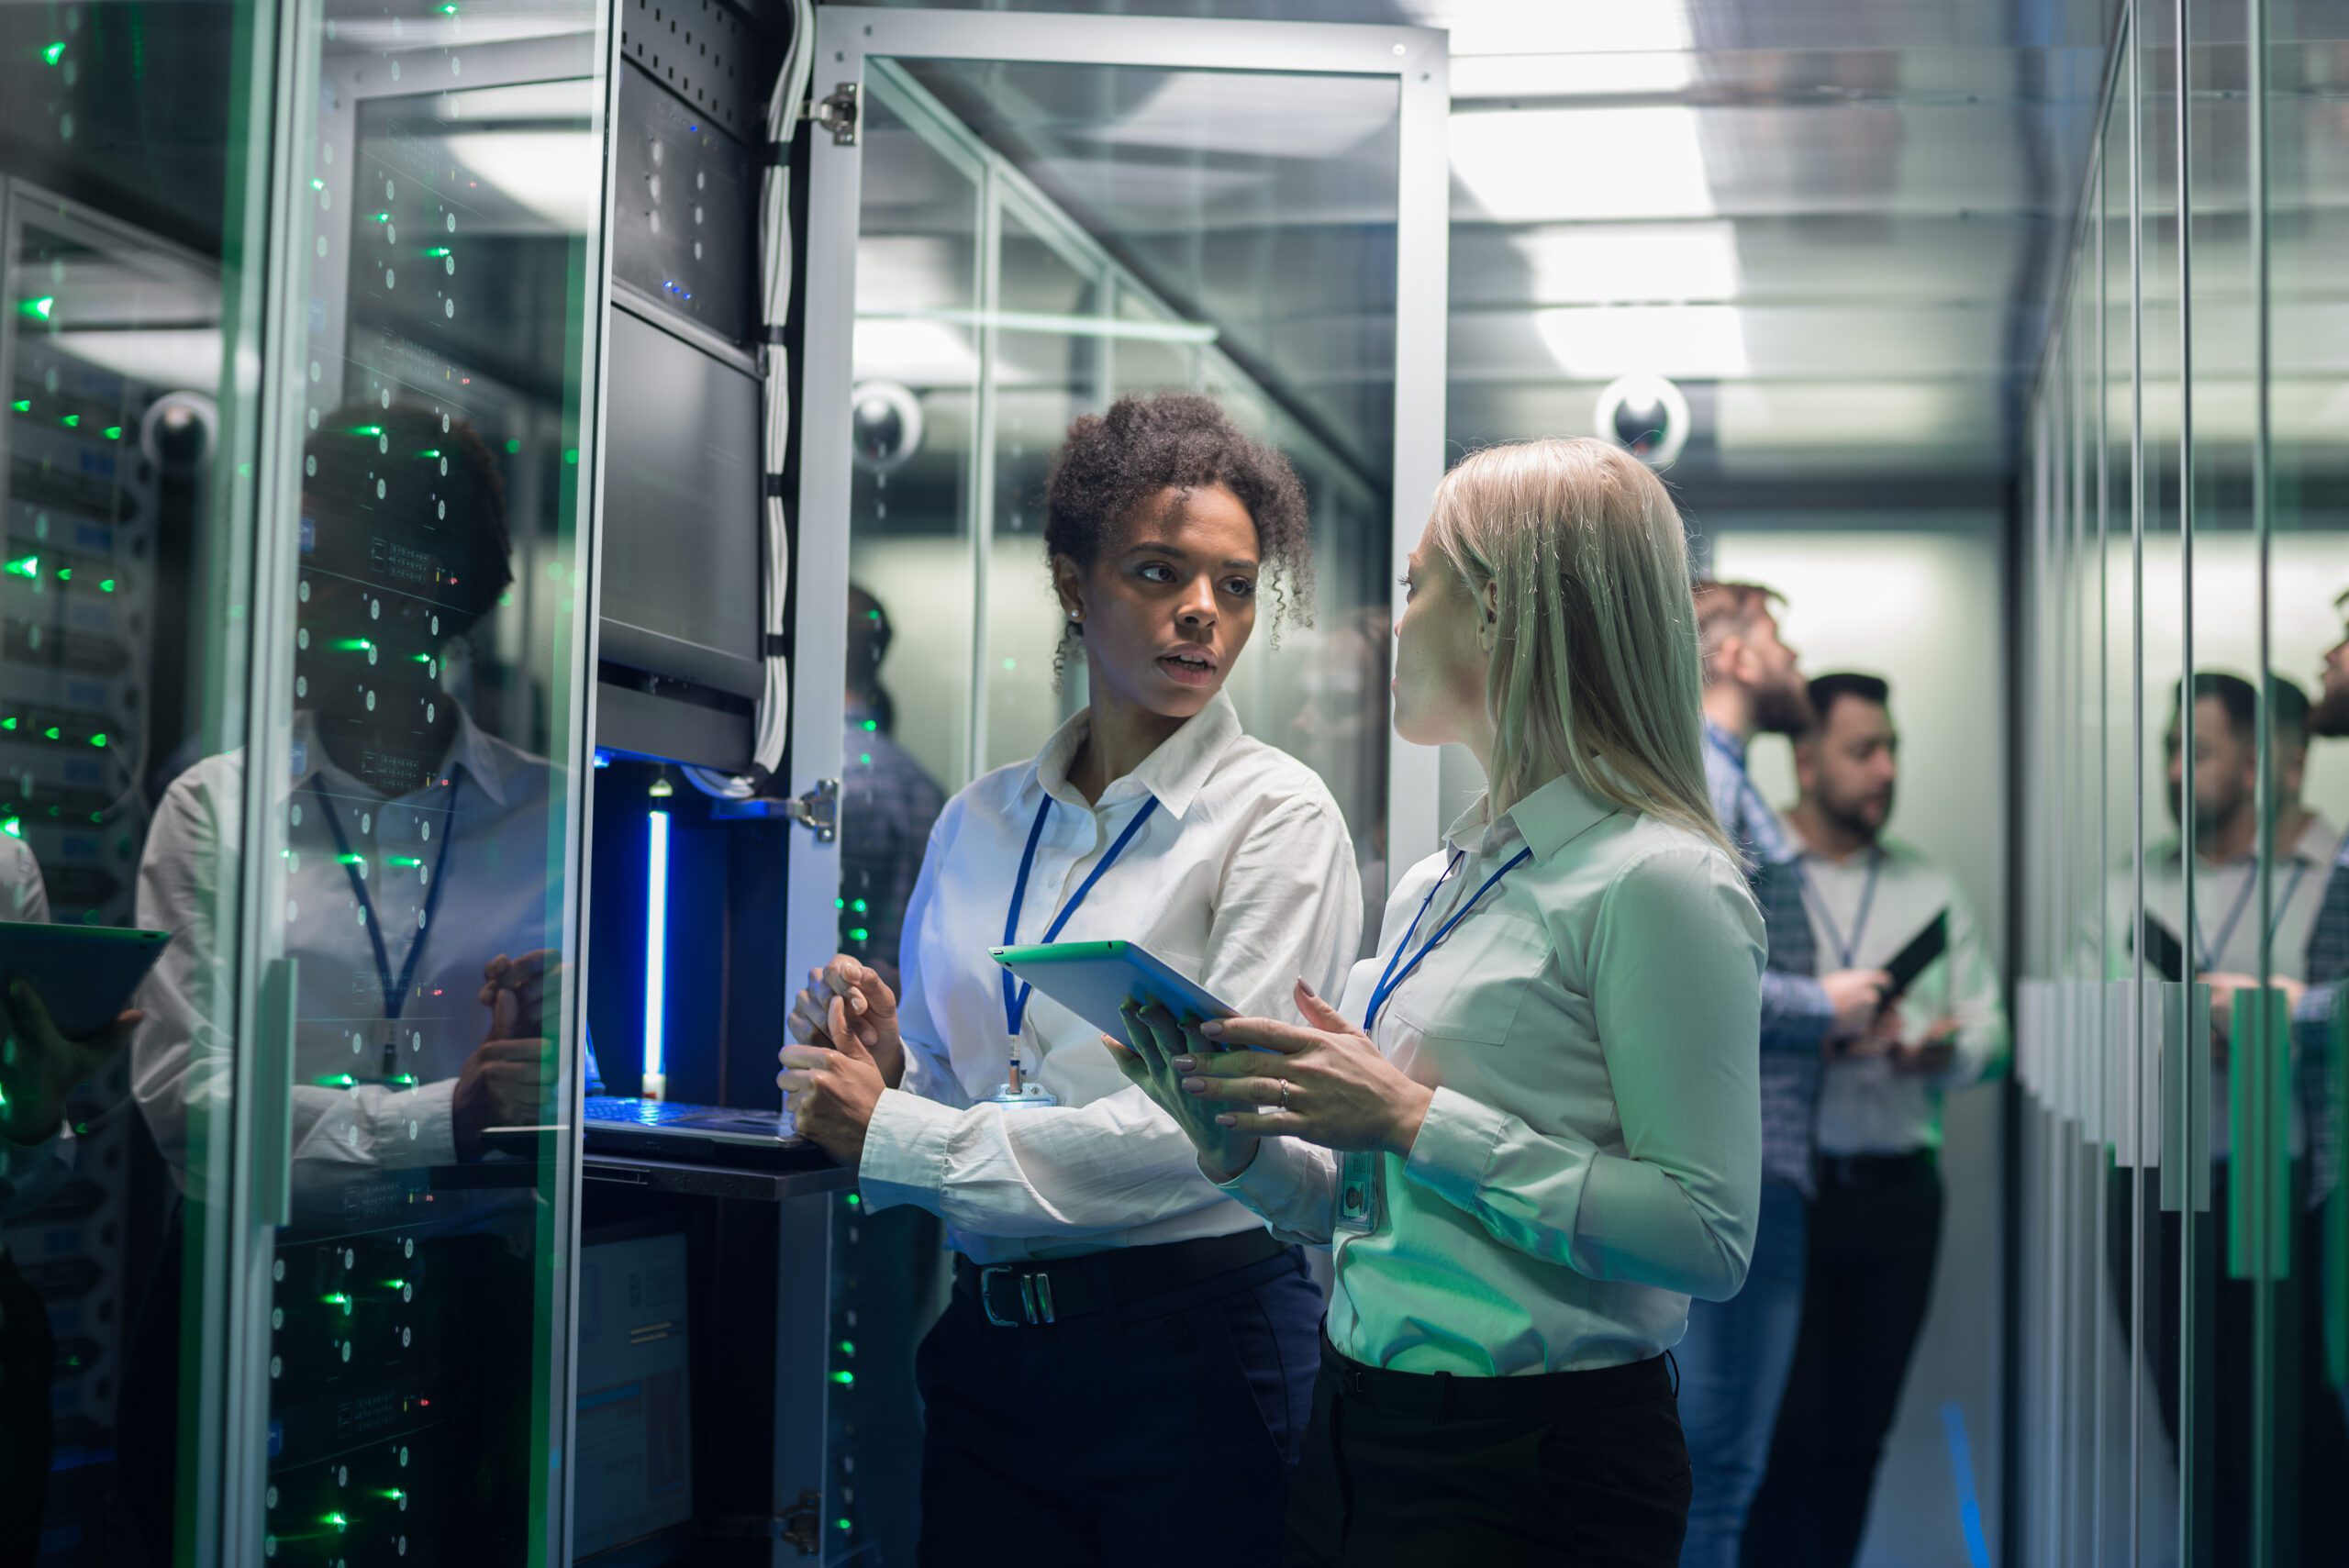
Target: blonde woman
(1531, 1127)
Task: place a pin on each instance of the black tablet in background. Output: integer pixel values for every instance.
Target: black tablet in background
(2164, 954)
(1930, 942)
(85, 973)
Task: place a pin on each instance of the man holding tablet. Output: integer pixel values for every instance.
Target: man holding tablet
(1875, 1223)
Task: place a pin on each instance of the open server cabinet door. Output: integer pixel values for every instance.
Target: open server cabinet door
(1012, 220)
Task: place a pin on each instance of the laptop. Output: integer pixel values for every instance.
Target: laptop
(691, 1134)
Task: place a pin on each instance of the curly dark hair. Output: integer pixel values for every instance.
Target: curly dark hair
(1114, 461)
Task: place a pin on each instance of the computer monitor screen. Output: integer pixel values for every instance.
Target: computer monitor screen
(633, 1452)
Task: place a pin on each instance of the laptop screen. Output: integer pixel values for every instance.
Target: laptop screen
(633, 1454)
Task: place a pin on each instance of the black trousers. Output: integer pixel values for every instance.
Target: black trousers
(1567, 1469)
(1158, 1436)
(1875, 1229)
(2310, 1516)
(28, 1367)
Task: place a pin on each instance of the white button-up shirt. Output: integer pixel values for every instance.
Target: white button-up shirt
(494, 901)
(1863, 909)
(1243, 879)
(1592, 1158)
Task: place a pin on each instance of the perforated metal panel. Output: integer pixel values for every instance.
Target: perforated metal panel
(716, 57)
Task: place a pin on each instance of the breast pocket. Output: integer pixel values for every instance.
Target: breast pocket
(1472, 987)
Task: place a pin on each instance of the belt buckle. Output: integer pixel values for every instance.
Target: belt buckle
(1035, 1297)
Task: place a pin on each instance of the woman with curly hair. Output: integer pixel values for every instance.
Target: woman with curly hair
(1116, 1320)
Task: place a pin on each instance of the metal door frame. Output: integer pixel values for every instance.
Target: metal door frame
(1416, 59)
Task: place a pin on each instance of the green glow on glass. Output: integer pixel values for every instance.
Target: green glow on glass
(335, 1080)
(99, 741)
(844, 1377)
(65, 574)
(848, 1347)
(570, 455)
(13, 827)
(366, 430)
(337, 1299)
(443, 250)
(54, 52)
(337, 1520)
(430, 451)
(404, 861)
(22, 405)
(105, 585)
(383, 218)
(114, 432)
(8, 723)
(72, 421)
(1011, 663)
(24, 566)
(317, 184)
(38, 309)
(51, 733)
(350, 645)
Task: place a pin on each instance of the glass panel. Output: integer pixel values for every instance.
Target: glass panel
(2299, 1330)
(125, 348)
(419, 831)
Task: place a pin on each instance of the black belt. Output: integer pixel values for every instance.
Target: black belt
(1444, 1396)
(1036, 1292)
(1859, 1172)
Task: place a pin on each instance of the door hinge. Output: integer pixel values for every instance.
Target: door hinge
(836, 112)
(803, 1523)
(819, 810)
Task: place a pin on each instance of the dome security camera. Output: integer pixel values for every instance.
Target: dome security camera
(884, 421)
(1646, 416)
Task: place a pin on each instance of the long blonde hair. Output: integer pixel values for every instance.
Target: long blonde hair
(1596, 675)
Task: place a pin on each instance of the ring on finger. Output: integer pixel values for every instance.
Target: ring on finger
(1284, 1099)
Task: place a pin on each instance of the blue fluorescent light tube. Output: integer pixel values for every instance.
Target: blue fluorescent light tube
(656, 951)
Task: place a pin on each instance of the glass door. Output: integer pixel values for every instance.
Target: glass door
(1030, 216)
(415, 779)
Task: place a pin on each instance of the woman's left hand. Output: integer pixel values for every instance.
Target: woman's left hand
(1326, 1083)
(832, 1093)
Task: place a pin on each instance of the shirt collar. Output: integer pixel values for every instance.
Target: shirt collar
(1729, 743)
(1172, 775)
(468, 747)
(1546, 821)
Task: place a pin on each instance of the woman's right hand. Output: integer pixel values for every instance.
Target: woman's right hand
(1154, 1041)
(869, 1007)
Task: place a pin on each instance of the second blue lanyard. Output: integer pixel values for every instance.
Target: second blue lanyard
(1398, 970)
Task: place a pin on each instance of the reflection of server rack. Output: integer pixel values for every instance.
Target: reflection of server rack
(97, 490)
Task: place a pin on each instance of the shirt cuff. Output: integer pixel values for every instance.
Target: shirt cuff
(1273, 1184)
(906, 1145)
(430, 1110)
(1454, 1148)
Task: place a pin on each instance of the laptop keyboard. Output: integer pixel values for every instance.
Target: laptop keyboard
(640, 1112)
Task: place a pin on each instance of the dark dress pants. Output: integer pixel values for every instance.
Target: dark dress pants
(1565, 1470)
(1158, 1437)
(1876, 1227)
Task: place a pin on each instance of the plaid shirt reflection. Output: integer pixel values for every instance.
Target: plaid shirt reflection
(1795, 1010)
(2312, 1029)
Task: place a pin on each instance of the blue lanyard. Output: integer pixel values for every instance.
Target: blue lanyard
(2206, 958)
(394, 997)
(1396, 970)
(1847, 950)
(1015, 995)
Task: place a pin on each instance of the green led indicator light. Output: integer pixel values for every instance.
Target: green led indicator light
(114, 432)
(335, 1080)
(99, 741)
(861, 906)
(24, 566)
(844, 1378)
(421, 659)
(349, 860)
(22, 405)
(383, 218)
(865, 758)
(38, 309)
(394, 1496)
(72, 421)
(8, 723)
(406, 861)
(51, 733)
(430, 451)
(837, 903)
(13, 827)
(65, 574)
(443, 250)
(860, 934)
(337, 1299)
(448, 10)
(366, 430)
(842, 1524)
(855, 1200)
(848, 1347)
(513, 446)
(105, 585)
(54, 52)
(351, 645)
(570, 455)
(871, 725)
(338, 1521)
(317, 184)
(395, 1284)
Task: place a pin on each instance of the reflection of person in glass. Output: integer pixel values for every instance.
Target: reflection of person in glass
(887, 802)
(1115, 1321)
(39, 1067)
(2220, 942)
(416, 917)
(416, 843)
